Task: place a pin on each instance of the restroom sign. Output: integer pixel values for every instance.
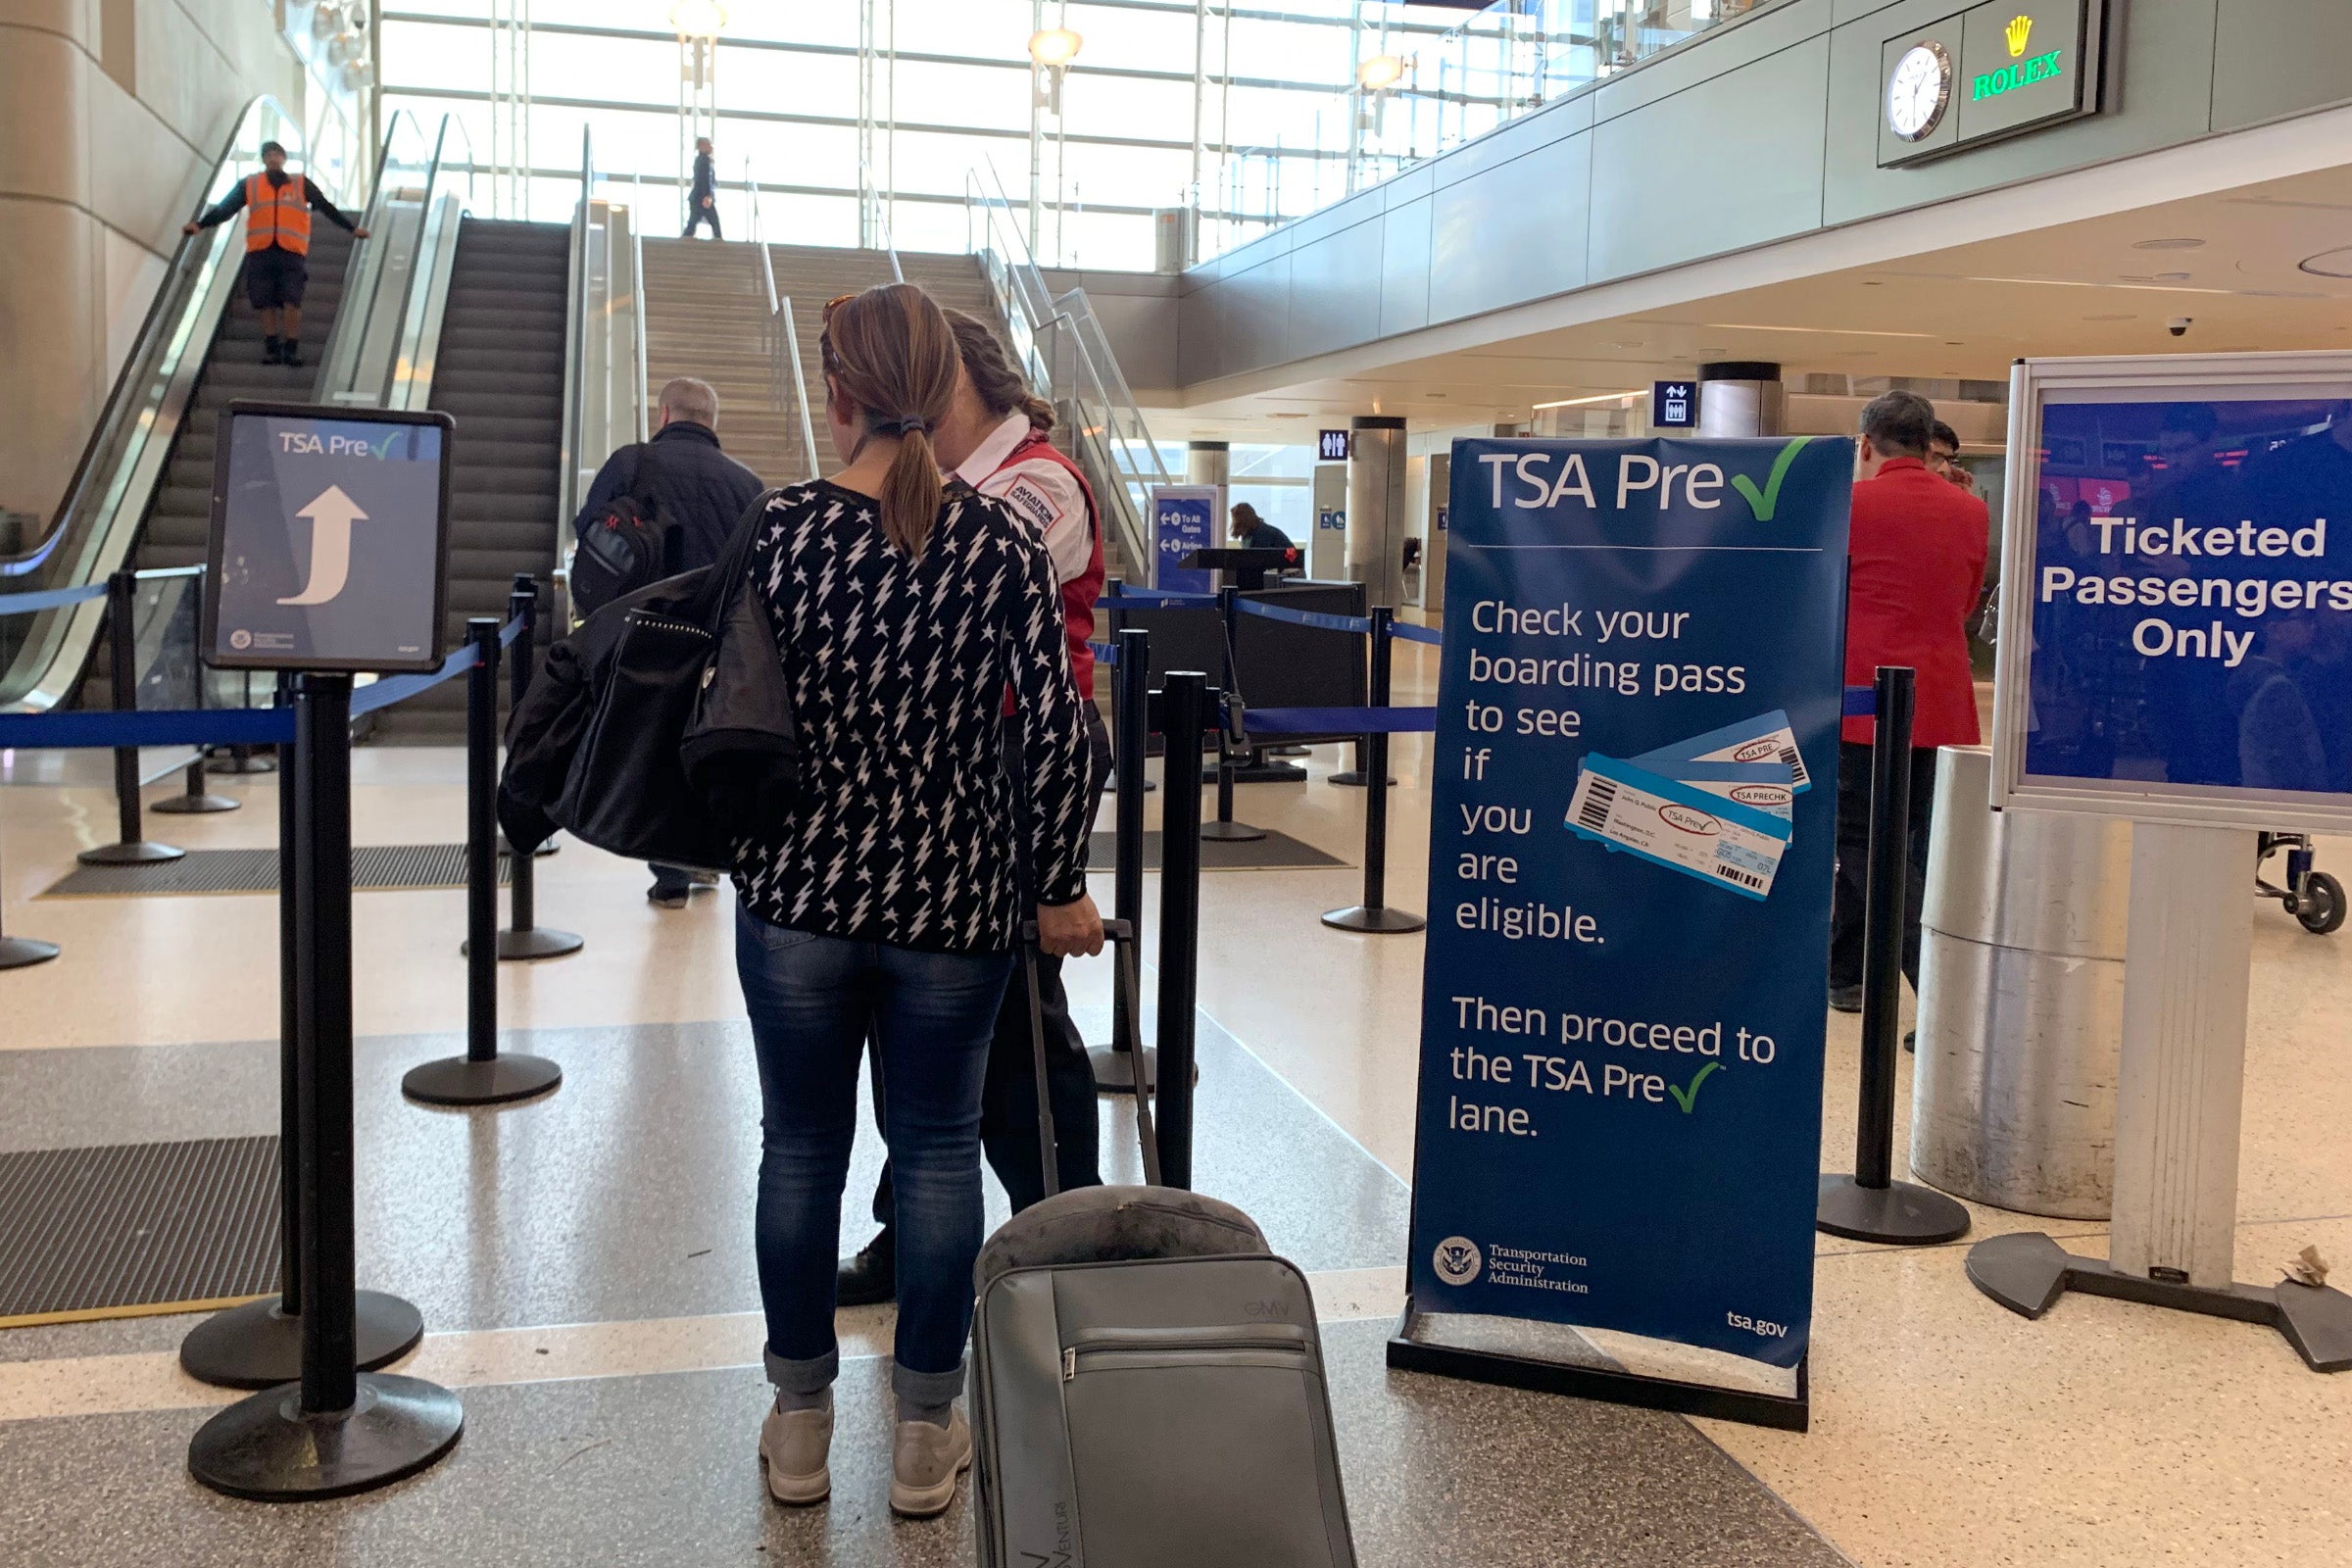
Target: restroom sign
(1674, 405)
(1332, 446)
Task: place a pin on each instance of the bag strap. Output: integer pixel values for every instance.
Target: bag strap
(639, 475)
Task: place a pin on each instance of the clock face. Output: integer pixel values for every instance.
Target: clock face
(1918, 91)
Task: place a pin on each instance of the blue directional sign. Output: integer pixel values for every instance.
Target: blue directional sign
(330, 533)
(1674, 405)
(1184, 519)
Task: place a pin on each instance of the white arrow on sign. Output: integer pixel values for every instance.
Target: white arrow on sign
(331, 513)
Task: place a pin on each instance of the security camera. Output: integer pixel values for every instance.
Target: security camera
(2179, 325)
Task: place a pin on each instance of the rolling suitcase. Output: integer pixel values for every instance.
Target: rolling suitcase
(1147, 1382)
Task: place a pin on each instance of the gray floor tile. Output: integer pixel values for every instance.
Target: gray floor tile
(660, 1471)
(627, 1193)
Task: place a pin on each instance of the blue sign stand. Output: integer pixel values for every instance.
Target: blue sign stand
(1625, 998)
(1184, 519)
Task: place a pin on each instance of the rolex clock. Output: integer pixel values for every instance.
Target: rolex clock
(1919, 90)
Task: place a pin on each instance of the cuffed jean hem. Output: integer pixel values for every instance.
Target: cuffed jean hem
(812, 1376)
(927, 1389)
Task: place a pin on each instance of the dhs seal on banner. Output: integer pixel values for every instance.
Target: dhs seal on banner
(1457, 1260)
(1624, 1004)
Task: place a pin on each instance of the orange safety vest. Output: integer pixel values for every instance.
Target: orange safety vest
(277, 215)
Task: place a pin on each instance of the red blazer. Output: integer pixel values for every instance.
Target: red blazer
(1915, 569)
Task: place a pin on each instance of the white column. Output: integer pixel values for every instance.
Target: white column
(2185, 966)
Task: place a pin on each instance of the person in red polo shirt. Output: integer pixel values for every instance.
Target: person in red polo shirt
(1915, 571)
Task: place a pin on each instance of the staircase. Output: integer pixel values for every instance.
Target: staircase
(499, 374)
(705, 316)
(705, 308)
(179, 518)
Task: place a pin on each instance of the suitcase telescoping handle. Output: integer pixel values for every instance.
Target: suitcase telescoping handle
(1120, 934)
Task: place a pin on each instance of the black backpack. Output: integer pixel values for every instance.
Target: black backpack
(626, 549)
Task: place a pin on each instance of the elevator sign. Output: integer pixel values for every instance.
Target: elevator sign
(329, 531)
(1674, 405)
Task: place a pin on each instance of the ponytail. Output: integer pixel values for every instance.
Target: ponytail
(891, 355)
(911, 494)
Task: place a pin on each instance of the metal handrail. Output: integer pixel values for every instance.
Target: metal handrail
(1042, 323)
(575, 437)
(644, 419)
(868, 192)
(799, 388)
(408, 381)
(96, 522)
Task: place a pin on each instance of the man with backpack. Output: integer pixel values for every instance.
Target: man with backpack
(658, 507)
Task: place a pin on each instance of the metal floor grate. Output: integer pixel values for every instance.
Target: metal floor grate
(136, 1229)
(377, 866)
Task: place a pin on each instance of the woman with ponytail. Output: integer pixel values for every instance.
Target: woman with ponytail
(888, 903)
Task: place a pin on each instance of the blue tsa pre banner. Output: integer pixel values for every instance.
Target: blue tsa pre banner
(1629, 868)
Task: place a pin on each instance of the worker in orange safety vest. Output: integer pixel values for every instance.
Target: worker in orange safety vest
(277, 246)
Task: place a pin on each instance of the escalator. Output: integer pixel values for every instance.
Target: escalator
(499, 374)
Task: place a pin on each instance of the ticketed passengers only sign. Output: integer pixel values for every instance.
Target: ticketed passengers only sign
(1629, 868)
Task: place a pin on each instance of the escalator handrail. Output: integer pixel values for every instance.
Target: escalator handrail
(184, 257)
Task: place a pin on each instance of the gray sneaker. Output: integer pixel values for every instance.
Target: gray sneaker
(792, 1448)
(924, 1464)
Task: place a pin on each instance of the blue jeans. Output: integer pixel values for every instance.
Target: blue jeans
(812, 1000)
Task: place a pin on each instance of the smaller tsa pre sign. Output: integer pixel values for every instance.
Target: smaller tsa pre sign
(1674, 405)
(1184, 519)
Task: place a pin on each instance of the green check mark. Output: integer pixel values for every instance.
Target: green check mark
(1763, 502)
(1688, 1098)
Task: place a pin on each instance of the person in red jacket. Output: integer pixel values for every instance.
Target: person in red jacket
(997, 438)
(1915, 571)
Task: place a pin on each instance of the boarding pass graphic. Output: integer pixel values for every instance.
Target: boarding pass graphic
(1678, 825)
(1766, 738)
(1766, 785)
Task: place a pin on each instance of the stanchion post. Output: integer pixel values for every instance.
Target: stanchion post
(1131, 733)
(1224, 830)
(482, 1076)
(337, 1431)
(525, 938)
(131, 847)
(19, 952)
(197, 800)
(1185, 704)
(1374, 915)
(259, 1345)
(1869, 1205)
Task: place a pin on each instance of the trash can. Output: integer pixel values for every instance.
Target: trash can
(2021, 1000)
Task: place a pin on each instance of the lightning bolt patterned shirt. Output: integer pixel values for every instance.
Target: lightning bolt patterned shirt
(898, 667)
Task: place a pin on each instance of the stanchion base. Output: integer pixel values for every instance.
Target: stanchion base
(1114, 1070)
(1290, 751)
(1900, 1214)
(195, 805)
(258, 1347)
(141, 852)
(19, 952)
(1354, 778)
(2027, 1272)
(1269, 773)
(1381, 921)
(461, 1081)
(1231, 832)
(266, 1449)
(539, 942)
(1112, 787)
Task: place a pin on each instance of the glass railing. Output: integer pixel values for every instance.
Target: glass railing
(96, 526)
(1412, 104)
(604, 351)
(1061, 343)
(386, 334)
